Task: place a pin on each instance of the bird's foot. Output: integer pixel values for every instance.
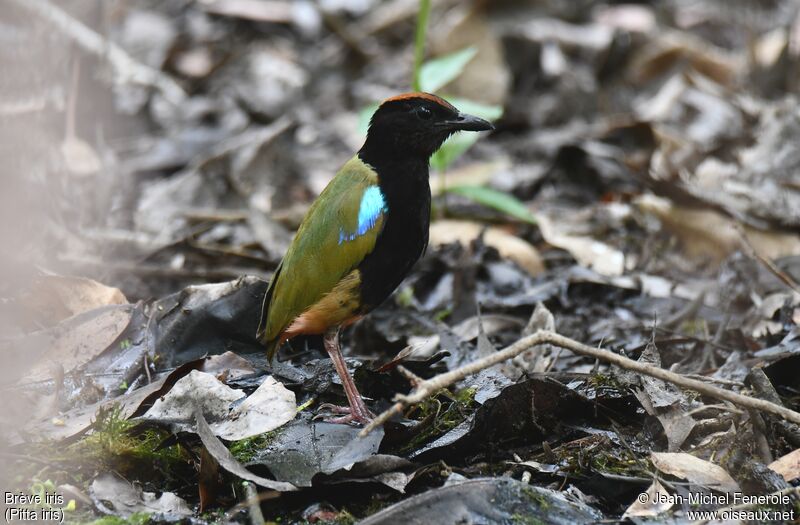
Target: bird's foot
(348, 415)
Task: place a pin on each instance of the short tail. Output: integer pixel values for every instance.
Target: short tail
(272, 348)
(272, 344)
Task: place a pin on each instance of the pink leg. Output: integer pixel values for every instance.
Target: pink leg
(358, 411)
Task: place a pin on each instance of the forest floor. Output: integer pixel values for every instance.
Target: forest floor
(640, 196)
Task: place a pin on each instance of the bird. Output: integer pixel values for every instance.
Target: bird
(362, 235)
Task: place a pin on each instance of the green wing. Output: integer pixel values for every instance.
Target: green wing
(332, 240)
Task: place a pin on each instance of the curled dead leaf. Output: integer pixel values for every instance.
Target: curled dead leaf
(589, 252)
(485, 78)
(656, 502)
(707, 234)
(695, 470)
(788, 466)
(78, 340)
(268, 408)
(464, 232)
(55, 297)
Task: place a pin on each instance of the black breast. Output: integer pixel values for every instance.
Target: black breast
(405, 231)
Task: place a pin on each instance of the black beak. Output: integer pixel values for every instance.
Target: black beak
(464, 122)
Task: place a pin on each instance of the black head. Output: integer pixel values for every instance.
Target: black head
(416, 124)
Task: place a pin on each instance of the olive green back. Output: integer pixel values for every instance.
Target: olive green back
(316, 260)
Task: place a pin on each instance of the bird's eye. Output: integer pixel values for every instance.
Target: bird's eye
(424, 113)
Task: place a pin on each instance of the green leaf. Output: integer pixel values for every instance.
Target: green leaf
(419, 41)
(487, 111)
(439, 72)
(498, 200)
(456, 145)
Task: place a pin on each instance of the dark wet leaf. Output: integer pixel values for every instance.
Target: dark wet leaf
(496, 500)
(518, 413)
(208, 320)
(305, 448)
(226, 460)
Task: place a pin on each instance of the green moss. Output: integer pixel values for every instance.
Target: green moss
(539, 499)
(344, 518)
(466, 396)
(442, 314)
(138, 518)
(245, 450)
(523, 519)
(447, 410)
(607, 381)
(114, 445)
(598, 454)
(694, 327)
(405, 297)
(214, 516)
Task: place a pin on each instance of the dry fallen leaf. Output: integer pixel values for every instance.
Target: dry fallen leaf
(226, 460)
(78, 340)
(589, 252)
(647, 507)
(473, 174)
(695, 470)
(209, 480)
(788, 466)
(486, 77)
(56, 297)
(124, 499)
(258, 10)
(509, 246)
(670, 47)
(132, 403)
(707, 234)
(665, 402)
(269, 407)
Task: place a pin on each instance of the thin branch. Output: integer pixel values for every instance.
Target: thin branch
(782, 276)
(428, 387)
(127, 69)
(412, 378)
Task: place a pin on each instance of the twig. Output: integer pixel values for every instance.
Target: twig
(722, 407)
(412, 378)
(726, 382)
(127, 69)
(689, 311)
(784, 277)
(430, 386)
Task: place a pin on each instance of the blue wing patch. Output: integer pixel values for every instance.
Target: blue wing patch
(373, 204)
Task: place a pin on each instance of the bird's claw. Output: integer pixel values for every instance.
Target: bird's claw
(349, 415)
